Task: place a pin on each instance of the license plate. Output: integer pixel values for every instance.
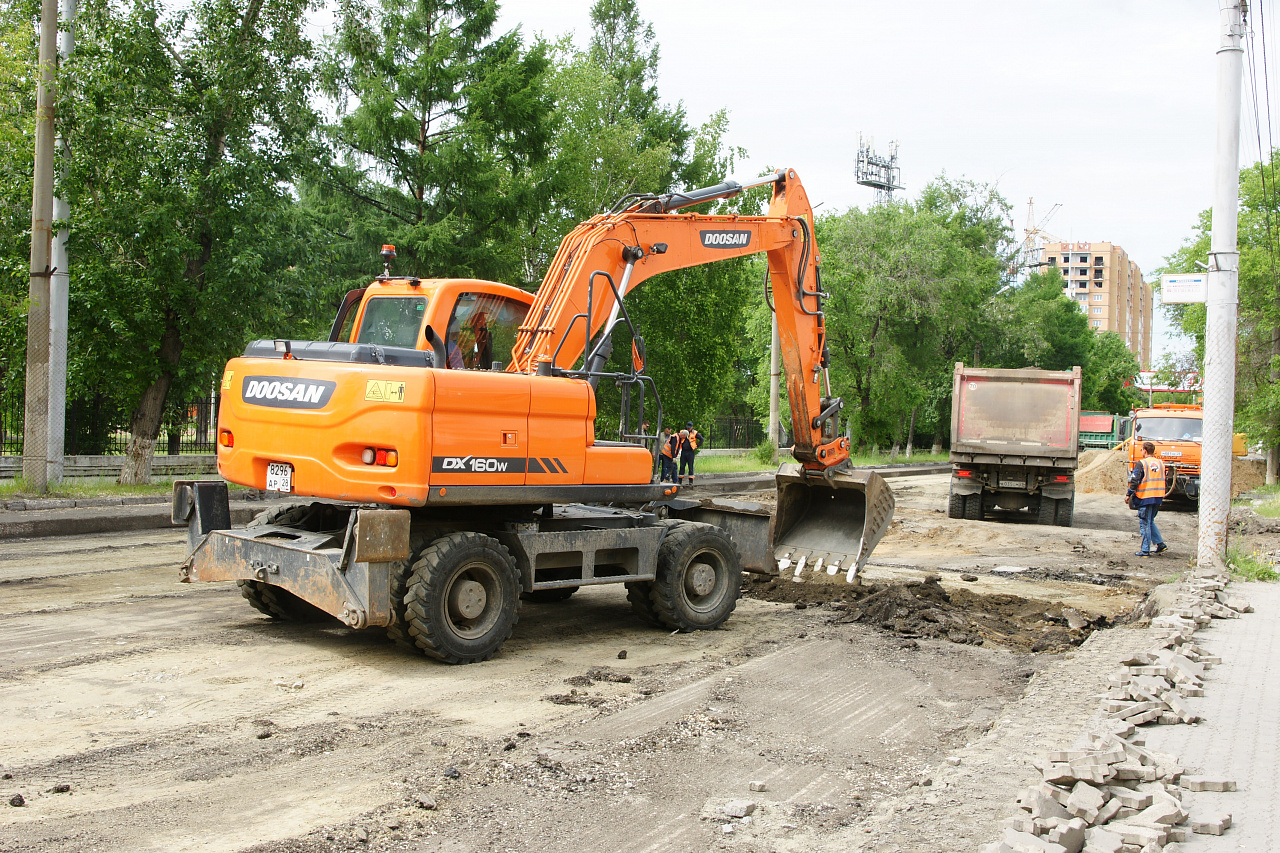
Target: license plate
(1013, 484)
(279, 477)
(1175, 453)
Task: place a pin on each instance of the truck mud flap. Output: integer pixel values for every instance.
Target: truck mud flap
(830, 521)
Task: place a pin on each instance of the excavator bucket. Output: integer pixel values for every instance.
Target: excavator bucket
(829, 521)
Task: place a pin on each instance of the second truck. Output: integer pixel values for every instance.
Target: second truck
(1013, 442)
(444, 438)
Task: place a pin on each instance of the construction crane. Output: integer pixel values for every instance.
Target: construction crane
(1034, 238)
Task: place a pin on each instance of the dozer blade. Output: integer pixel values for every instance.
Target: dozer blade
(829, 521)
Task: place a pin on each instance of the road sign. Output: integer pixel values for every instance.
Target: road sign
(1183, 288)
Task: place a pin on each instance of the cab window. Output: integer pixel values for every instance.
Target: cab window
(482, 327)
(1168, 429)
(393, 321)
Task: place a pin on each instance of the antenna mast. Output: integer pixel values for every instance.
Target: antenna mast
(880, 173)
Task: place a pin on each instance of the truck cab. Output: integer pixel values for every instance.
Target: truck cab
(1175, 429)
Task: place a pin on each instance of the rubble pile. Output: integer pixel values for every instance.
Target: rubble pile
(1111, 795)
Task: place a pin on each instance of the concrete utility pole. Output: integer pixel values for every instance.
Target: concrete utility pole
(35, 427)
(60, 289)
(1221, 305)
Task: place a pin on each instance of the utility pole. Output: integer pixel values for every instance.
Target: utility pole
(35, 427)
(1221, 303)
(60, 288)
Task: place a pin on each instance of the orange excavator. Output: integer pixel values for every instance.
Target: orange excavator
(445, 485)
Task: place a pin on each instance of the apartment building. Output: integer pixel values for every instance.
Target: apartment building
(1109, 289)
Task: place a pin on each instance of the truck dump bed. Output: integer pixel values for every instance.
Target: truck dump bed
(1025, 412)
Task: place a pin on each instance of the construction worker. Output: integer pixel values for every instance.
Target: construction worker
(667, 456)
(1147, 488)
(688, 446)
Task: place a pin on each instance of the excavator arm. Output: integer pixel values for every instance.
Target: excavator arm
(827, 518)
(608, 256)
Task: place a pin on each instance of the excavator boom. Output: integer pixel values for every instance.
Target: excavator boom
(826, 517)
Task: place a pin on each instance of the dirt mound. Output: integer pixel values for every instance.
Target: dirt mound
(1247, 475)
(923, 609)
(1103, 471)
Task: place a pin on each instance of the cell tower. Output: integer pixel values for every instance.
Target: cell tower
(880, 173)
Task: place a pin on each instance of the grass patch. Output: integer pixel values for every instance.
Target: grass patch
(1250, 567)
(752, 460)
(86, 488)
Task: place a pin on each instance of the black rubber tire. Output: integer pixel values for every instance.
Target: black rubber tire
(285, 514)
(273, 601)
(435, 617)
(973, 507)
(694, 553)
(640, 594)
(1048, 511)
(281, 604)
(955, 505)
(1066, 508)
(548, 596)
(401, 571)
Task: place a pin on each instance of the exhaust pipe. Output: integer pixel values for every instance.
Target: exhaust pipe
(829, 521)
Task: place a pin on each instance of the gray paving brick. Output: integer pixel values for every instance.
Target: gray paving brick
(1240, 736)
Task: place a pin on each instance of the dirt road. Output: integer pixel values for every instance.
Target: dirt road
(181, 719)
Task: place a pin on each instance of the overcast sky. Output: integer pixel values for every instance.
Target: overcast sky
(1103, 106)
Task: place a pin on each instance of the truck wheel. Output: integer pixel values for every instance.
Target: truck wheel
(1048, 511)
(1062, 517)
(973, 507)
(640, 594)
(955, 505)
(460, 603)
(548, 596)
(699, 577)
(279, 603)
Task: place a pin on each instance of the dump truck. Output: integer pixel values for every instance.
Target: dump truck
(441, 457)
(1175, 429)
(1100, 429)
(1014, 436)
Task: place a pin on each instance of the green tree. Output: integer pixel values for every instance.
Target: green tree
(17, 144)
(1108, 376)
(439, 132)
(1258, 331)
(186, 129)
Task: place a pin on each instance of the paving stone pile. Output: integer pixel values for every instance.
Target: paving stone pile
(1110, 794)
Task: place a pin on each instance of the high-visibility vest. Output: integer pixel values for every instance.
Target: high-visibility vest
(666, 448)
(1152, 485)
(694, 439)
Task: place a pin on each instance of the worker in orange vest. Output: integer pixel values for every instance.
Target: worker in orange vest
(1147, 488)
(667, 456)
(688, 446)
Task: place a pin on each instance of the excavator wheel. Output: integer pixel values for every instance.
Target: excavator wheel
(548, 596)
(271, 600)
(955, 505)
(460, 601)
(1048, 511)
(401, 571)
(973, 507)
(1062, 516)
(280, 603)
(640, 594)
(699, 577)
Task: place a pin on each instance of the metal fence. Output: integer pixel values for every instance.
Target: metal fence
(96, 428)
(734, 433)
